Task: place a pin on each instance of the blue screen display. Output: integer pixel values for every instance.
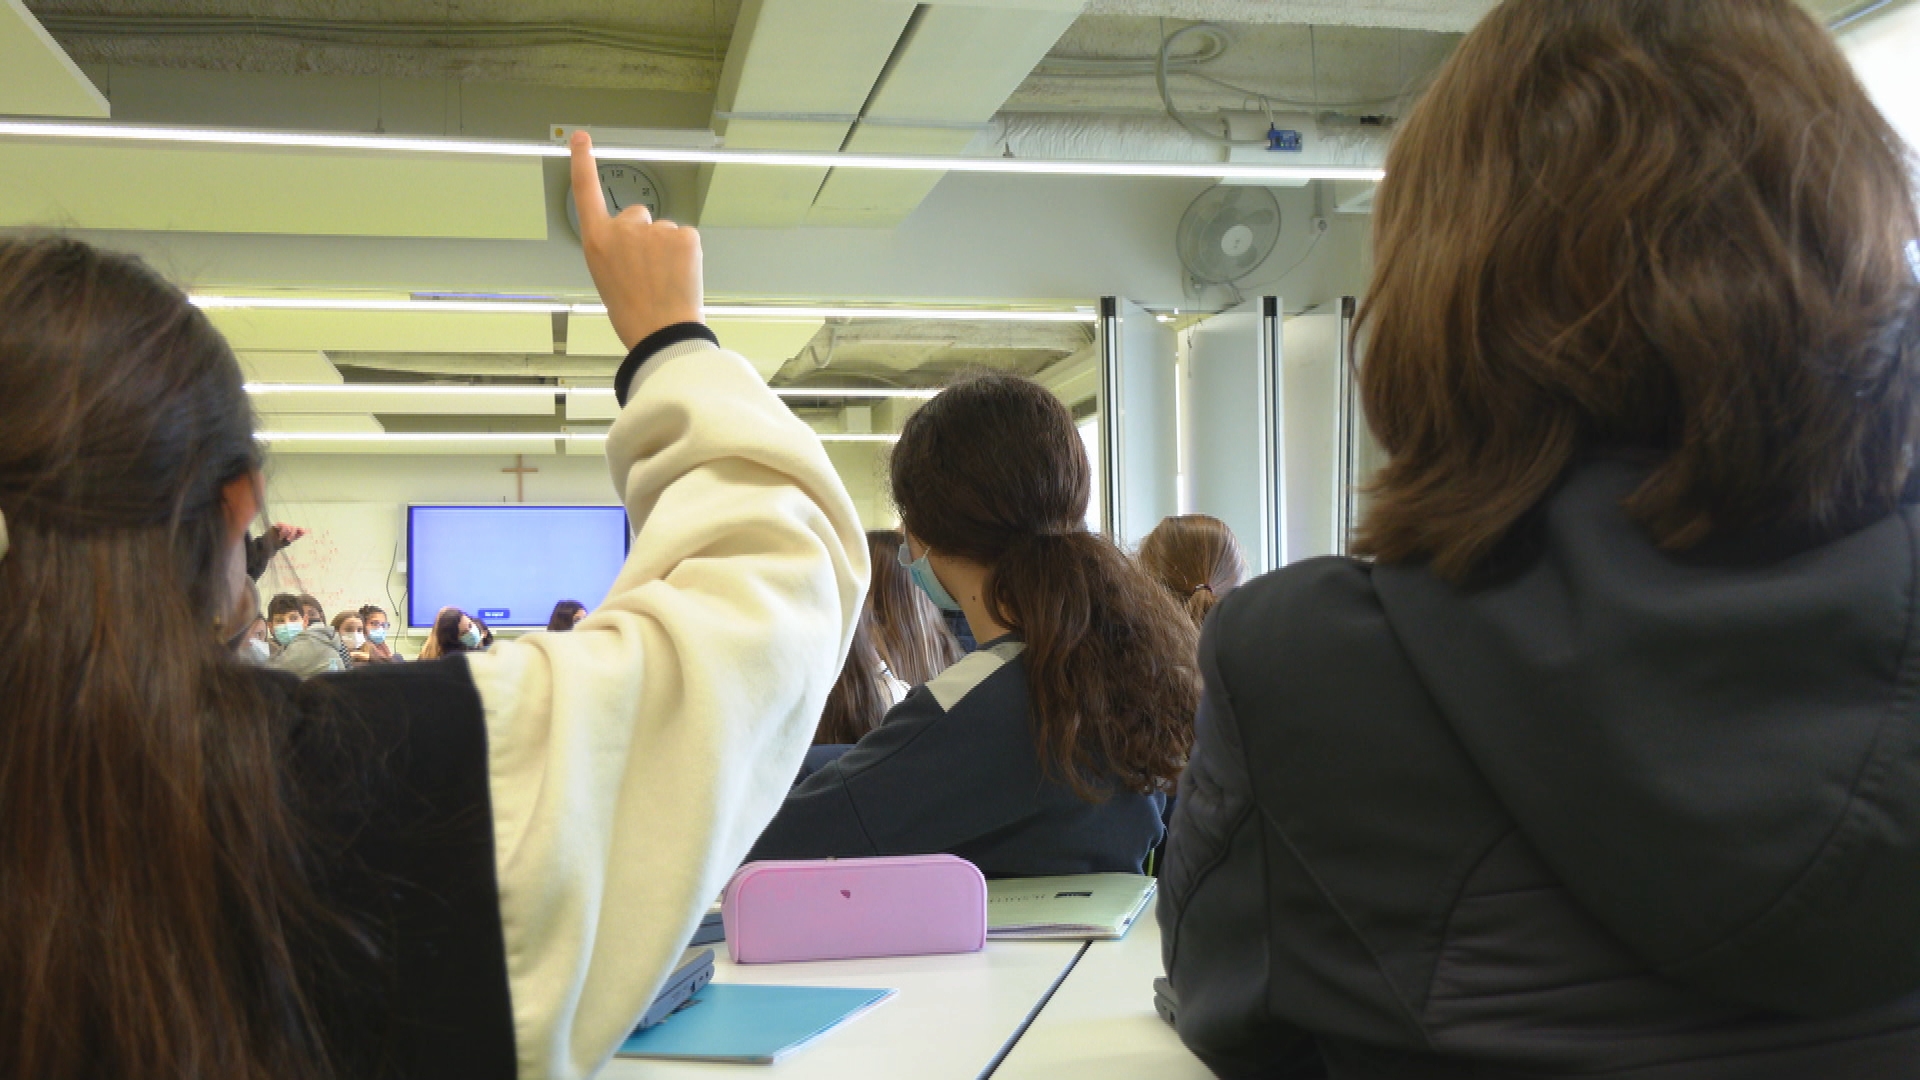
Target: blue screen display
(510, 564)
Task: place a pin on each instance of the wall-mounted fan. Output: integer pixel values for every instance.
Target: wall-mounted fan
(1227, 233)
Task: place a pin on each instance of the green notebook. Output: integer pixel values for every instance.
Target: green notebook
(1098, 907)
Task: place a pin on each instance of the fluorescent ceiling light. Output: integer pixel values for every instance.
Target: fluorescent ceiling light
(410, 389)
(33, 129)
(717, 311)
(330, 303)
(414, 436)
(397, 388)
(486, 437)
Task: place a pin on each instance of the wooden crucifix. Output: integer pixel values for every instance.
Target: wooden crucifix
(520, 470)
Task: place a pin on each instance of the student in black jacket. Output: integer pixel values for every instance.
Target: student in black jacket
(1050, 749)
(1608, 764)
(481, 868)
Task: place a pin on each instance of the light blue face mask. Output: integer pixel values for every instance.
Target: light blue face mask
(286, 632)
(471, 639)
(922, 573)
(377, 635)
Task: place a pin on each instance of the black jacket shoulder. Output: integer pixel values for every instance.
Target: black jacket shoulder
(388, 766)
(1346, 890)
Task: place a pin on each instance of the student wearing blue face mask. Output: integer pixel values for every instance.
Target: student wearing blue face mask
(304, 649)
(454, 632)
(378, 627)
(1051, 749)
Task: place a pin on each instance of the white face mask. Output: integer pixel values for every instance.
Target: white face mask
(355, 639)
(260, 648)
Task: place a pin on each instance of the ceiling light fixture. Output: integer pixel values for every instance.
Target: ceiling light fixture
(343, 303)
(140, 133)
(410, 389)
(208, 301)
(486, 437)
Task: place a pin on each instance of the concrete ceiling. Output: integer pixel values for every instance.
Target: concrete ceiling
(873, 75)
(674, 45)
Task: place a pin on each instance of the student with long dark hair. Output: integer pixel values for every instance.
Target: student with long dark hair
(482, 867)
(565, 615)
(900, 642)
(1051, 749)
(1608, 762)
(861, 696)
(454, 632)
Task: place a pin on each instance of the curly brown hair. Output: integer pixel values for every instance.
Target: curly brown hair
(992, 470)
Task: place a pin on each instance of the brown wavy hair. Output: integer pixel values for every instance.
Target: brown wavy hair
(908, 631)
(1637, 224)
(1197, 558)
(993, 471)
(155, 892)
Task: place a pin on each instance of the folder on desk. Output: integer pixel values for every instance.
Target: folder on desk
(1099, 907)
(745, 1024)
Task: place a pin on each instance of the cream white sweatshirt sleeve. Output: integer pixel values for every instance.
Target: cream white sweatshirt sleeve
(634, 761)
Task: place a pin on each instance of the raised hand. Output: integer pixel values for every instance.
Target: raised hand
(647, 271)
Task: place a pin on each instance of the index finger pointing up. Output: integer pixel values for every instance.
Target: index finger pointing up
(587, 196)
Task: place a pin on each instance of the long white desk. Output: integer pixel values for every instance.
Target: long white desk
(1101, 1023)
(952, 1017)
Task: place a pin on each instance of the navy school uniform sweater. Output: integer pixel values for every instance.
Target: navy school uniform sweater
(953, 769)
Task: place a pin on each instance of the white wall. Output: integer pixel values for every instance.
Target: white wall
(1883, 51)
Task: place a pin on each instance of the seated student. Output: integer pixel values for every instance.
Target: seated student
(912, 639)
(1050, 749)
(898, 625)
(305, 649)
(565, 614)
(431, 650)
(316, 615)
(863, 693)
(352, 635)
(378, 627)
(482, 867)
(453, 633)
(255, 645)
(1196, 558)
(1607, 764)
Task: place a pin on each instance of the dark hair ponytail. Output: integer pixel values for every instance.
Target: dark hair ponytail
(992, 470)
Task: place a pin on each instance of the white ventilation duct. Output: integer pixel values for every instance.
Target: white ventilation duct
(1332, 140)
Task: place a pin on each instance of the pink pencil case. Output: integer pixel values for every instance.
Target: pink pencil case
(842, 909)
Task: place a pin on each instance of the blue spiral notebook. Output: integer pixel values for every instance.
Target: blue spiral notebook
(750, 1025)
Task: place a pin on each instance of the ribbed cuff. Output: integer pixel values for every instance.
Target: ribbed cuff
(651, 345)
